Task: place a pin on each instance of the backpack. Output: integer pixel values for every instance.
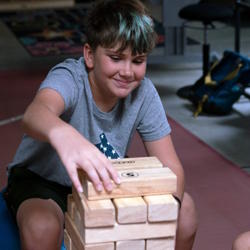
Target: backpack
(216, 92)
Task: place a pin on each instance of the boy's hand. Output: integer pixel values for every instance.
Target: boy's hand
(73, 149)
(76, 152)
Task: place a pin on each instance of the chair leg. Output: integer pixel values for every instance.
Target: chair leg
(206, 51)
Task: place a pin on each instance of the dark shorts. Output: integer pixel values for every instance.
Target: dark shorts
(24, 184)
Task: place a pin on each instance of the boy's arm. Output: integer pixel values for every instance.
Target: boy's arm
(164, 150)
(42, 122)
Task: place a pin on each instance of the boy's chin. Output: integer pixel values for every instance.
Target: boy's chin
(123, 94)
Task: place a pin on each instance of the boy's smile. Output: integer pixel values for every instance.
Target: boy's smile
(113, 74)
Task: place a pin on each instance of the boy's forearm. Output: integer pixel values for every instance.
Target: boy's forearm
(180, 182)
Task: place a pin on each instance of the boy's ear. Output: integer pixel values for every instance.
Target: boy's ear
(88, 56)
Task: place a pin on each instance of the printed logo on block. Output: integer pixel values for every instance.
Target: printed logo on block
(130, 174)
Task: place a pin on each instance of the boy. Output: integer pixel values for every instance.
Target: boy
(85, 112)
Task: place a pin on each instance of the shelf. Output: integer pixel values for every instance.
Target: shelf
(15, 5)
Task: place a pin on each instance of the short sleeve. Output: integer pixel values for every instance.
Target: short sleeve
(62, 80)
(153, 124)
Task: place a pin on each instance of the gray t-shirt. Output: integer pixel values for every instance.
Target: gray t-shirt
(111, 132)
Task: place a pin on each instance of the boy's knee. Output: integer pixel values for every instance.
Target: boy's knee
(188, 221)
(40, 229)
(242, 242)
(187, 224)
(41, 225)
(42, 233)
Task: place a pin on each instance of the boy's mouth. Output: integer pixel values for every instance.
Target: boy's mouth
(122, 83)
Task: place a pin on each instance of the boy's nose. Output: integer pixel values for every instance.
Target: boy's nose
(126, 70)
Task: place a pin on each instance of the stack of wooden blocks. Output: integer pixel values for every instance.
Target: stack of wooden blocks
(139, 214)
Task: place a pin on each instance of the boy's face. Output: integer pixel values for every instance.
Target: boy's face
(115, 74)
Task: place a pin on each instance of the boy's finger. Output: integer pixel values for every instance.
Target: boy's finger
(88, 168)
(93, 176)
(75, 180)
(113, 173)
(104, 175)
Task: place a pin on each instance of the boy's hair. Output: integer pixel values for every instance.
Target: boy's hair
(121, 22)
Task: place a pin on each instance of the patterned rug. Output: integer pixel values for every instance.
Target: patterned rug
(55, 31)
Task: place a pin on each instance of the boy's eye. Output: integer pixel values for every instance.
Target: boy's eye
(139, 61)
(115, 58)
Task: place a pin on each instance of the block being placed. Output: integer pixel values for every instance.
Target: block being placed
(96, 213)
(137, 162)
(161, 208)
(130, 210)
(160, 244)
(130, 245)
(138, 182)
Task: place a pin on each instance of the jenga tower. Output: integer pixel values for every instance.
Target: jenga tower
(139, 214)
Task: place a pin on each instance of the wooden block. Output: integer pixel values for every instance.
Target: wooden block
(78, 241)
(67, 240)
(73, 233)
(130, 244)
(139, 182)
(70, 204)
(121, 232)
(137, 162)
(101, 246)
(77, 220)
(96, 213)
(74, 247)
(130, 210)
(160, 244)
(69, 245)
(161, 208)
(129, 232)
